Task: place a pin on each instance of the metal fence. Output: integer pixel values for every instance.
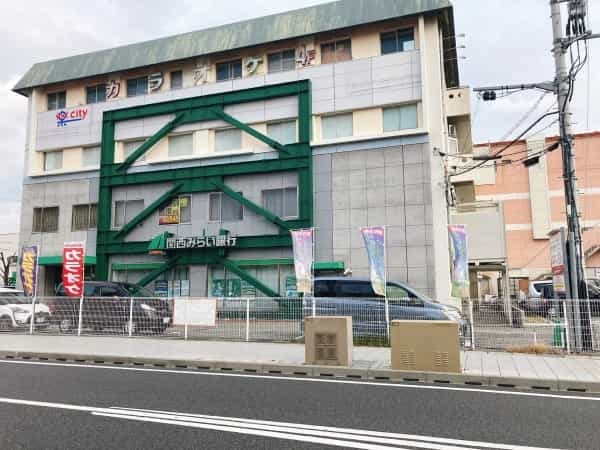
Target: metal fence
(531, 326)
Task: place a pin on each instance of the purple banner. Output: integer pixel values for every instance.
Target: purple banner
(302, 241)
(374, 238)
(28, 269)
(460, 263)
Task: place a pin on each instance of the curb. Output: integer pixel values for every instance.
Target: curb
(309, 371)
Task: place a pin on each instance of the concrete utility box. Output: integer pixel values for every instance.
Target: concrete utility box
(425, 345)
(328, 340)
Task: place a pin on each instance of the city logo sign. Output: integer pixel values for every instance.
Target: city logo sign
(75, 115)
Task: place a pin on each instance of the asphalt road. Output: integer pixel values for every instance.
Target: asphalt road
(69, 406)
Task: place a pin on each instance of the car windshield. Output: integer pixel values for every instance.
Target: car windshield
(138, 291)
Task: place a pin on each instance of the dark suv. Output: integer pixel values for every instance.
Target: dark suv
(343, 296)
(108, 304)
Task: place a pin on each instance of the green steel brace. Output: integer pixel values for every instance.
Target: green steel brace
(251, 131)
(233, 267)
(202, 178)
(159, 271)
(150, 142)
(143, 215)
(252, 206)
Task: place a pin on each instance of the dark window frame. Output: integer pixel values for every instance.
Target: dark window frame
(95, 93)
(56, 100)
(41, 222)
(180, 75)
(92, 217)
(397, 35)
(282, 54)
(233, 68)
(141, 84)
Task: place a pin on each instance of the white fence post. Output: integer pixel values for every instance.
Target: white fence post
(314, 306)
(472, 317)
(247, 319)
(79, 324)
(185, 327)
(567, 338)
(32, 320)
(387, 318)
(130, 316)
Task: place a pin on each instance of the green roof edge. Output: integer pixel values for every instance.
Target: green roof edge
(287, 25)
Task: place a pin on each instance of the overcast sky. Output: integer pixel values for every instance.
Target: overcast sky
(507, 41)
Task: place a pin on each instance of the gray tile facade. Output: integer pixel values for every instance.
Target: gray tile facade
(380, 186)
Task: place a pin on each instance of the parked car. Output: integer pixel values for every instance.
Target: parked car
(15, 311)
(541, 298)
(344, 296)
(107, 304)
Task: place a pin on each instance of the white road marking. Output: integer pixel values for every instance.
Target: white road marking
(340, 437)
(308, 379)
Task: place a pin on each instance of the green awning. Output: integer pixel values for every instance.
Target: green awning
(328, 265)
(57, 260)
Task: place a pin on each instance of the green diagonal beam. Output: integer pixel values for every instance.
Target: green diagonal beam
(150, 142)
(147, 211)
(158, 271)
(251, 131)
(233, 267)
(252, 206)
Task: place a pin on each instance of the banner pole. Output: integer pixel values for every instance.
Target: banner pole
(312, 269)
(35, 290)
(387, 308)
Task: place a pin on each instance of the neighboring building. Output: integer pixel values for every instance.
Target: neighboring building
(533, 204)
(326, 116)
(9, 243)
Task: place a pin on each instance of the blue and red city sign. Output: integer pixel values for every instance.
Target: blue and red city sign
(63, 118)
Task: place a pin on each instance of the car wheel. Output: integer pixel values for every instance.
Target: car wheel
(5, 323)
(65, 325)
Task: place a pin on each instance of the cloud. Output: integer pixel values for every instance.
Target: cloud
(508, 41)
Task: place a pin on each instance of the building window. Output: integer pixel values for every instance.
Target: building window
(176, 211)
(125, 210)
(181, 145)
(397, 41)
(281, 202)
(337, 126)
(177, 79)
(222, 208)
(282, 132)
(400, 118)
(45, 220)
(96, 94)
(84, 217)
(336, 51)
(137, 86)
(282, 61)
(90, 157)
(131, 146)
(53, 161)
(229, 139)
(229, 70)
(57, 100)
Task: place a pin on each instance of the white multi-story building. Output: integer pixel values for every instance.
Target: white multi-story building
(328, 117)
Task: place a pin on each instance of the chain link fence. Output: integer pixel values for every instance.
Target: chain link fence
(552, 326)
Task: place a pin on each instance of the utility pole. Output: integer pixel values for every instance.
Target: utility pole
(576, 271)
(576, 287)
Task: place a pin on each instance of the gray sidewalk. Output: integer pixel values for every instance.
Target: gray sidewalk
(474, 363)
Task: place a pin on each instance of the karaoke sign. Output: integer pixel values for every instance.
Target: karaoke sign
(72, 269)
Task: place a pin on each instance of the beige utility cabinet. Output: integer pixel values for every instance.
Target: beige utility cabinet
(328, 340)
(425, 345)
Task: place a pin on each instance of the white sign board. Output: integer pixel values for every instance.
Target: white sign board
(557, 261)
(195, 312)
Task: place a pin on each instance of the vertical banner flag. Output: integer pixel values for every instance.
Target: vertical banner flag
(374, 238)
(460, 263)
(557, 261)
(302, 241)
(72, 268)
(28, 269)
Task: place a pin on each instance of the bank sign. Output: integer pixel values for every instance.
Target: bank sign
(220, 241)
(63, 118)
